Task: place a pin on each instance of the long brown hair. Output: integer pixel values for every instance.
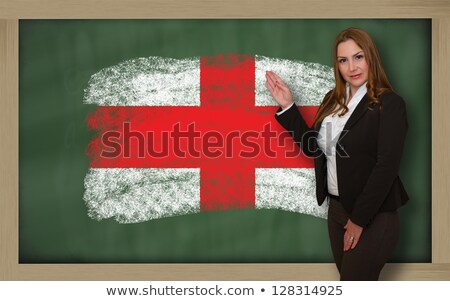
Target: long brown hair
(334, 100)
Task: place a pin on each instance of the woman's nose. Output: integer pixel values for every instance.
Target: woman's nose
(351, 65)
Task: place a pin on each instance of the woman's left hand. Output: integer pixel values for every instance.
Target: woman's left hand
(352, 235)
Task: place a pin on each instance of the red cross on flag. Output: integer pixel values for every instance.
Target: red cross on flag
(183, 136)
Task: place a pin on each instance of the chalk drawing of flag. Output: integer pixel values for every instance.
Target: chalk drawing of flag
(182, 136)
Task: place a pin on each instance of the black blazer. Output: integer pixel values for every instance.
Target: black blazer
(368, 156)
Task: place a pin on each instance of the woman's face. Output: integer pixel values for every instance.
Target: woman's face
(352, 64)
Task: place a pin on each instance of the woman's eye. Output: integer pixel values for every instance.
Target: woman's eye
(341, 61)
(360, 56)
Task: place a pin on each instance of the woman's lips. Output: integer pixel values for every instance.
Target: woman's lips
(355, 76)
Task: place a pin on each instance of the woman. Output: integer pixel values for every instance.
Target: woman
(356, 141)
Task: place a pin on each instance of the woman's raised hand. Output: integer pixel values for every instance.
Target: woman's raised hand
(280, 92)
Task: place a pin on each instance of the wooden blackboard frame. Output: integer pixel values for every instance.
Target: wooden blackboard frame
(11, 12)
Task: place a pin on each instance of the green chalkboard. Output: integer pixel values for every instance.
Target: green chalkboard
(57, 59)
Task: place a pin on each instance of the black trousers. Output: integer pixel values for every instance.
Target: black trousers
(376, 244)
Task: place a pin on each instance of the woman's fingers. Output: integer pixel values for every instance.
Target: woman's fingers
(355, 241)
(273, 75)
(273, 78)
(347, 241)
(273, 87)
(352, 235)
(350, 240)
(280, 92)
(270, 82)
(277, 79)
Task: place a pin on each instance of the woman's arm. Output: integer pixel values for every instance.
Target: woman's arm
(294, 123)
(279, 90)
(391, 138)
(291, 118)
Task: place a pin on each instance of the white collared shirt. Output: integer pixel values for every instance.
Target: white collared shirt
(329, 133)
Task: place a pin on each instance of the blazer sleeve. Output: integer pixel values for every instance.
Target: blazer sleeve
(303, 135)
(391, 137)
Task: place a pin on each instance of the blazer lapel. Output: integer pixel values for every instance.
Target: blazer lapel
(359, 111)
